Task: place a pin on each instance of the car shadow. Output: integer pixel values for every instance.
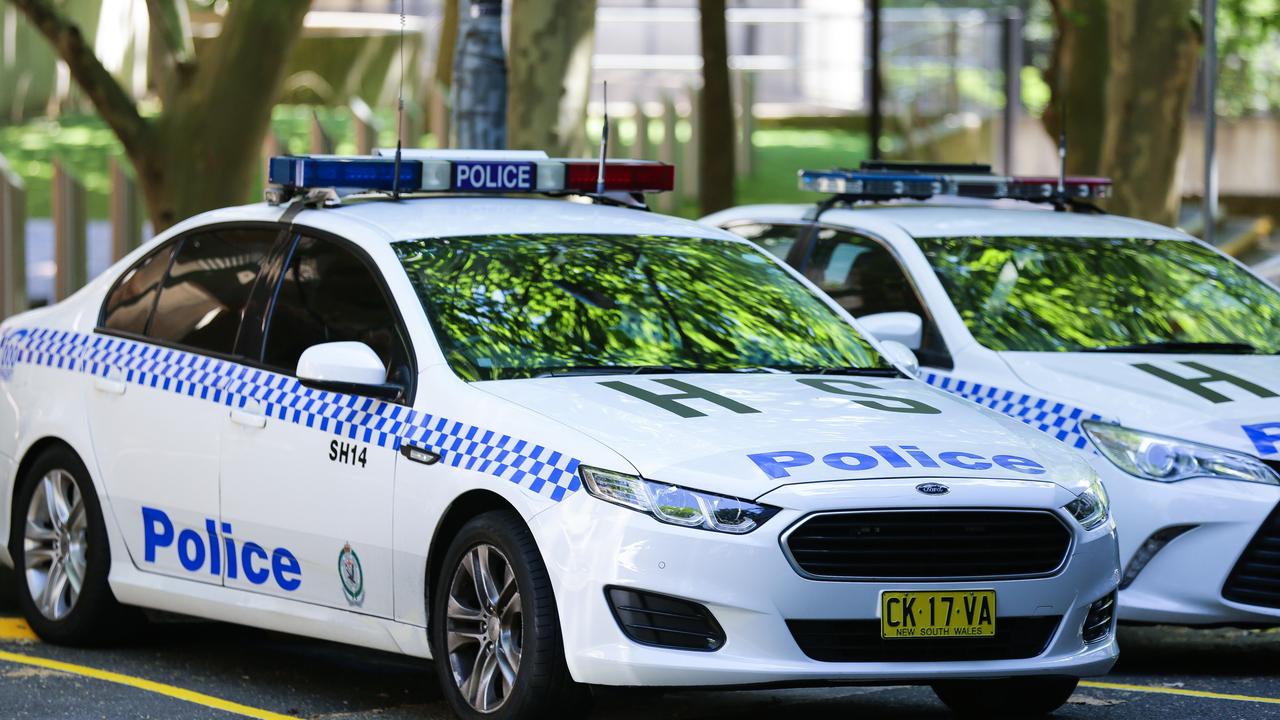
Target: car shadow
(1168, 650)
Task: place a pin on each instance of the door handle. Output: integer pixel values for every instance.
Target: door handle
(248, 419)
(106, 385)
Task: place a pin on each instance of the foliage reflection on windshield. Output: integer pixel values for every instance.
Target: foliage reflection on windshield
(517, 306)
(1066, 294)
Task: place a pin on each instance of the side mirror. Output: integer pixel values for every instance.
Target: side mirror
(902, 356)
(903, 327)
(352, 368)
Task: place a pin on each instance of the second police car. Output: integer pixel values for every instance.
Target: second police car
(1151, 353)
(549, 444)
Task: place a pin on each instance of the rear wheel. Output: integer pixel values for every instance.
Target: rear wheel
(495, 631)
(60, 554)
(1032, 697)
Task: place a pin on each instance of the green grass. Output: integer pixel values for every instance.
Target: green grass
(86, 146)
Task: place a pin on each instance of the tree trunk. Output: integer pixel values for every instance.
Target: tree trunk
(1155, 48)
(479, 112)
(201, 152)
(1078, 79)
(715, 112)
(550, 73)
(209, 141)
(1122, 74)
(442, 77)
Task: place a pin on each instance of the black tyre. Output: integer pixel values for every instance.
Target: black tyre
(1031, 697)
(61, 554)
(495, 633)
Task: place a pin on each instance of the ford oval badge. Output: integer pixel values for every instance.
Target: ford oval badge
(933, 488)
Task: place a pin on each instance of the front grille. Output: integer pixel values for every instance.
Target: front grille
(1255, 580)
(860, 641)
(664, 621)
(929, 544)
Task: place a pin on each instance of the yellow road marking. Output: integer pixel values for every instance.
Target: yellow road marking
(148, 685)
(15, 629)
(1178, 691)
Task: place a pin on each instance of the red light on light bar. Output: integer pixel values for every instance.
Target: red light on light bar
(619, 176)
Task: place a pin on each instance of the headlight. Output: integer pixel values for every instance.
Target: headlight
(1090, 507)
(1165, 459)
(676, 505)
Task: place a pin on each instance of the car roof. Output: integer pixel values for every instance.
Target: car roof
(957, 219)
(453, 216)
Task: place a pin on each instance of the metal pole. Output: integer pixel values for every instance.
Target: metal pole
(1210, 118)
(1012, 41)
(876, 122)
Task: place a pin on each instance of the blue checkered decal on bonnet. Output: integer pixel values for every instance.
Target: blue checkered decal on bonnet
(536, 468)
(1059, 420)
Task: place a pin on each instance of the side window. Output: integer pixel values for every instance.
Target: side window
(860, 274)
(328, 294)
(865, 278)
(207, 288)
(128, 307)
(777, 239)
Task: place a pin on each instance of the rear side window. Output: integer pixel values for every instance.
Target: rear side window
(208, 286)
(128, 307)
(328, 294)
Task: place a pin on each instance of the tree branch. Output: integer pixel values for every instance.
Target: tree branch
(112, 102)
(173, 27)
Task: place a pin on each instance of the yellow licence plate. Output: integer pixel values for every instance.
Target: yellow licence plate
(951, 613)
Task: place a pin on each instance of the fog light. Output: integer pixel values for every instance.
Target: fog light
(664, 621)
(1153, 545)
(1097, 624)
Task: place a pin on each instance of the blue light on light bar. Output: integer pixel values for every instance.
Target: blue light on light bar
(365, 173)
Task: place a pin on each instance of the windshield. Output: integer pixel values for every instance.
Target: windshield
(518, 306)
(1119, 294)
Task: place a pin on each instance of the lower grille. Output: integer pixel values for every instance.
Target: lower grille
(860, 641)
(664, 621)
(1255, 580)
(929, 544)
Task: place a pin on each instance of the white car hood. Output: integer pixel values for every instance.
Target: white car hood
(1241, 414)
(746, 454)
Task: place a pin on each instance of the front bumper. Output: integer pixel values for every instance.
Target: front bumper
(752, 590)
(1182, 584)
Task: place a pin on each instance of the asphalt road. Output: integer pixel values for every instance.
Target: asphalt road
(1164, 673)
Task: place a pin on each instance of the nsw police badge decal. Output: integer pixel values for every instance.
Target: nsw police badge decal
(351, 574)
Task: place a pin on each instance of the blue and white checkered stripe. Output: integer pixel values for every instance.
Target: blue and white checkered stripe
(1059, 420)
(538, 469)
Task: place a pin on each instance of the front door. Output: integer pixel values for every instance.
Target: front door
(308, 476)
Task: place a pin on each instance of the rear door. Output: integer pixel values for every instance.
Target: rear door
(161, 357)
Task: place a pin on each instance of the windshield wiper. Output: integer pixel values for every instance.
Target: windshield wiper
(817, 370)
(572, 370)
(1176, 346)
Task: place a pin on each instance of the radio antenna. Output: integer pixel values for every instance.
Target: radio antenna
(395, 181)
(604, 142)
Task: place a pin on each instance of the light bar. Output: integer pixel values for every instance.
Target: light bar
(894, 183)
(460, 171)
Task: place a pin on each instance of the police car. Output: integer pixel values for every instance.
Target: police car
(550, 444)
(1141, 347)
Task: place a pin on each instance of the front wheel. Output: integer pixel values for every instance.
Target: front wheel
(1032, 697)
(495, 632)
(61, 556)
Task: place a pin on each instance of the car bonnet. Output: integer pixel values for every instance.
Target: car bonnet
(746, 434)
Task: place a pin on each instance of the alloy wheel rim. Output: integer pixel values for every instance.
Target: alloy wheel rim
(484, 628)
(55, 544)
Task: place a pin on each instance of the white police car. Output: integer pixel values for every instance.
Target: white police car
(1150, 352)
(549, 444)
